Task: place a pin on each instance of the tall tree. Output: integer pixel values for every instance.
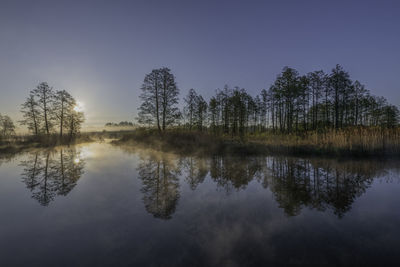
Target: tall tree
(63, 106)
(201, 112)
(214, 112)
(317, 82)
(45, 96)
(74, 122)
(149, 110)
(359, 92)
(31, 114)
(169, 98)
(340, 82)
(160, 97)
(190, 107)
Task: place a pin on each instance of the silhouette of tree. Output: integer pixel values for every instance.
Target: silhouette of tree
(74, 122)
(63, 107)
(190, 107)
(7, 127)
(31, 114)
(160, 97)
(293, 104)
(44, 108)
(45, 95)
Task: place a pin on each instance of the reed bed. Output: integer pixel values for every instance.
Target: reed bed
(356, 141)
(359, 141)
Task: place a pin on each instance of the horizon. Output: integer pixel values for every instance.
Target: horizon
(101, 53)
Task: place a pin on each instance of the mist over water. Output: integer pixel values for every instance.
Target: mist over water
(107, 205)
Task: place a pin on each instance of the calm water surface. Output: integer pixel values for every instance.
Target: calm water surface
(103, 205)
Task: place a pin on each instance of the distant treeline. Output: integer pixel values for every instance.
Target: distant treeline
(293, 103)
(120, 124)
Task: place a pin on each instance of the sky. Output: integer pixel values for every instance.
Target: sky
(100, 51)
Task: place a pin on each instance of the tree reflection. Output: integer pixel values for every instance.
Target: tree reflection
(196, 170)
(234, 172)
(159, 175)
(296, 183)
(51, 173)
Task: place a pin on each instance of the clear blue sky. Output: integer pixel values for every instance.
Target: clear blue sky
(101, 50)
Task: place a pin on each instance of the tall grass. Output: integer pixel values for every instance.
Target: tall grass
(356, 141)
(20, 142)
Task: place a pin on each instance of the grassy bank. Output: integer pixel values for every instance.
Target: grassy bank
(20, 143)
(355, 142)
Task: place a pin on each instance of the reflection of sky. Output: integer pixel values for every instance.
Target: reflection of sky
(104, 215)
(100, 51)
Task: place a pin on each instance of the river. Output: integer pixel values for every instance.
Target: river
(104, 205)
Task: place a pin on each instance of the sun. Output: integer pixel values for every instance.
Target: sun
(79, 107)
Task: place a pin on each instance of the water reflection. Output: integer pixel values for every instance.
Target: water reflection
(6, 157)
(195, 211)
(159, 174)
(196, 170)
(52, 172)
(296, 183)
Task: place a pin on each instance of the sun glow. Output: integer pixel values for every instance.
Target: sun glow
(79, 107)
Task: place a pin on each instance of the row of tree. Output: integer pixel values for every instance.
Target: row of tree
(120, 124)
(48, 111)
(293, 103)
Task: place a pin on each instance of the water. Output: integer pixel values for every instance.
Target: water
(103, 205)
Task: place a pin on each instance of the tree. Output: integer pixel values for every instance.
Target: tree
(285, 92)
(45, 96)
(359, 92)
(391, 116)
(169, 98)
(74, 122)
(160, 97)
(201, 112)
(149, 110)
(223, 99)
(7, 127)
(340, 82)
(317, 83)
(44, 108)
(190, 107)
(63, 106)
(214, 111)
(31, 114)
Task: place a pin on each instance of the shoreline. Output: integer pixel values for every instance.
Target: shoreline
(194, 143)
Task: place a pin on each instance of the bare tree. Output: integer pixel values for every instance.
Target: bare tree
(160, 97)
(45, 96)
(7, 127)
(190, 107)
(74, 122)
(63, 106)
(31, 114)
